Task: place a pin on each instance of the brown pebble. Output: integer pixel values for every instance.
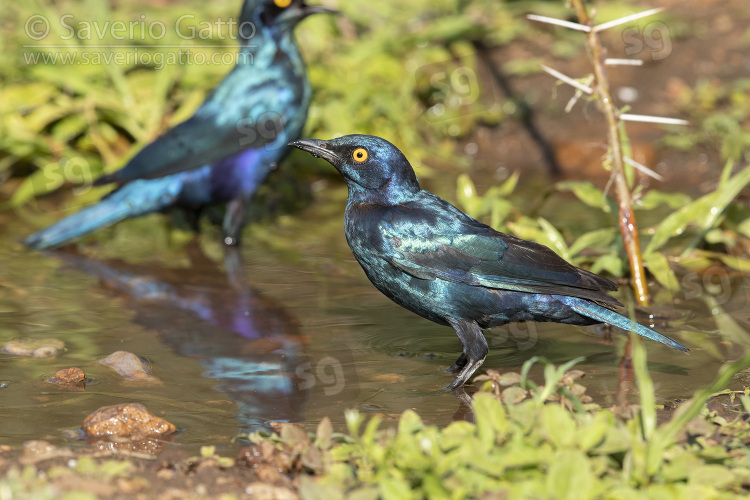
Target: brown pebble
(165, 474)
(72, 379)
(262, 491)
(126, 420)
(268, 473)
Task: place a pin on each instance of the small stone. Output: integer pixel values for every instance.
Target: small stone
(129, 366)
(165, 474)
(36, 348)
(72, 379)
(130, 420)
(262, 491)
(268, 473)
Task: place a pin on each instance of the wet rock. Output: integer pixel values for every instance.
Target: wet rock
(131, 420)
(129, 366)
(72, 379)
(37, 348)
(37, 450)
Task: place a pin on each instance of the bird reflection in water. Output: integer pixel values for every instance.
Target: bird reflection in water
(246, 341)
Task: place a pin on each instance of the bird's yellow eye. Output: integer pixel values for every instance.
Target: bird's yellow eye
(282, 3)
(360, 155)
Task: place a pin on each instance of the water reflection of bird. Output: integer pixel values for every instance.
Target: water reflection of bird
(246, 341)
(429, 257)
(231, 143)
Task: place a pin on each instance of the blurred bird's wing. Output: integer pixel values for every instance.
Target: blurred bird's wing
(432, 239)
(216, 131)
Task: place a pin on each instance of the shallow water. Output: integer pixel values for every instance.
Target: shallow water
(295, 334)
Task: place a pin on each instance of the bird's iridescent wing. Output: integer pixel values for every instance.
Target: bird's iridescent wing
(223, 126)
(434, 240)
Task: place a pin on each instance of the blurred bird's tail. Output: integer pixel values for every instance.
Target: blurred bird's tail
(132, 200)
(599, 313)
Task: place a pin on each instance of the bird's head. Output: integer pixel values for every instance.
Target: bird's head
(281, 13)
(367, 163)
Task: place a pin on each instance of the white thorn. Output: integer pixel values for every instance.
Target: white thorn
(626, 19)
(623, 62)
(570, 81)
(577, 96)
(559, 22)
(653, 119)
(643, 168)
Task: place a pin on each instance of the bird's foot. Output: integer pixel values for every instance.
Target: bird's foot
(458, 365)
(234, 221)
(466, 372)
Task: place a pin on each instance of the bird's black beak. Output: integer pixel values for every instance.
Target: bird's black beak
(317, 9)
(301, 10)
(318, 149)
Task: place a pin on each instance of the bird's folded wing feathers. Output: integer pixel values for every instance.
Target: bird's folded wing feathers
(216, 131)
(463, 250)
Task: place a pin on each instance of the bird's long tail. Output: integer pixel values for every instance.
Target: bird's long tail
(132, 200)
(599, 313)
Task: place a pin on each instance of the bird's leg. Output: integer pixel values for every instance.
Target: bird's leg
(460, 363)
(475, 349)
(192, 217)
(233, 268)
(234, 220)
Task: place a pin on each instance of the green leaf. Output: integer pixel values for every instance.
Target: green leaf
(554, 238)
(716, 476)
(570, 476)
(654, 198)
(588, 194)
(593, 434)
(559, 426)
(658, 265)
(645, 388)
(703, 212)
(612, 263)
(507, 187)
(466, 193)
(310, 489)
(395, 488)
(492, 423)
(596, 238)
